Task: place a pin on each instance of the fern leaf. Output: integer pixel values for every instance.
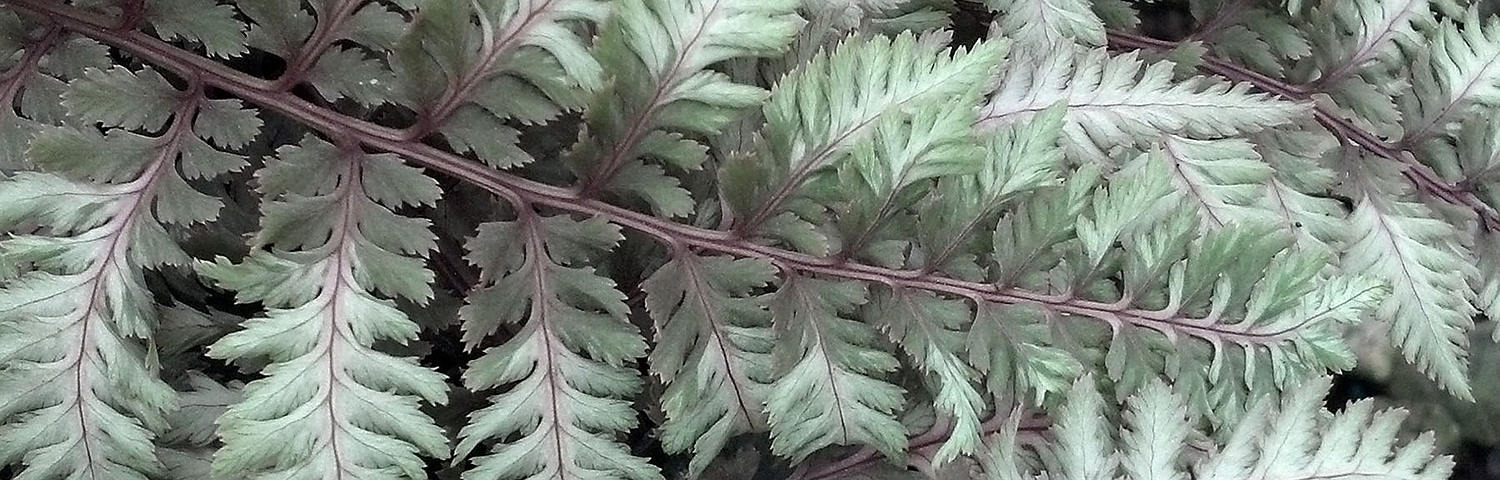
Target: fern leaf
(39, 61)
(658, 53)
(827, 389)
(1362, 48)
(1043, 26)
(1294, 191)
(1300, 439)
(1224, 178)
(888, 173)
(202, 22)
(1017, 162)
(1462, 72)
(1112, 101)
(1085, 449)
(564, 375)
(1156, 429)
(309, 45)
(1249, 34)
(1025, 240)
(1232, 289)
(522, 61)
(200, 405)
(930, 330)
(77, 360)
(821, 111)
(1355, 35)
(1013, 347)
(712, 351)
(1405, 244)
(331, 404)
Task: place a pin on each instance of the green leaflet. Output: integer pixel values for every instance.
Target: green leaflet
(662, 92)
(1113, 101)
(713, 348)
(828, 106)
(330, 403)
(1225, 178)
(930, 330)
(563, 375)
(1296, 439)
(1013, 347)
(1042, 26)
(1258, 37)
(201, 22)
(285, 29)
(1405, 244)
(828, 388)
(77, 360)
(32, 84)
(1459, 74)
(467, 67)
(1364, 43)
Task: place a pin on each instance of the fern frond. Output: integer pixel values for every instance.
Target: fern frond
(1356, 36)
(713, 346)
(564, 375)
(1297, 440)
(1224, 178)
(1020, 161)
(894, 168)
(1363, 49)
(77, 370)
(828, 388)
(203, 23)
(522, 61)
(1112, 101)
(816, 116)
(331, 404)
(1405, 244)
(930, 329)
(1043, 26)
(1300, 439)
(310, 45)
(38, 60)
(1295, 192)
(1012, 345)
(657, 54)
(1249, 33)
(1461, 72)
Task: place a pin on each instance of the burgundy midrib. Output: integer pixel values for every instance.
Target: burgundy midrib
(350, 189)
(700, 287)
(536, 254)
(181, 121)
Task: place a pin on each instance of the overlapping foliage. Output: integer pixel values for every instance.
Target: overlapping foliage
(642, 239)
